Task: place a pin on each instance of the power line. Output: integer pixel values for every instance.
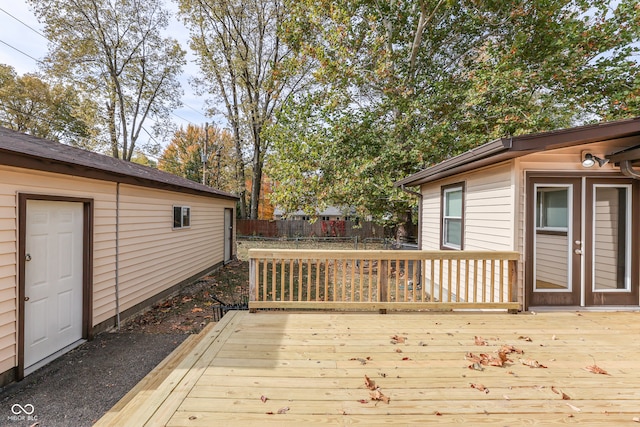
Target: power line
(26, 25)
(18, 50)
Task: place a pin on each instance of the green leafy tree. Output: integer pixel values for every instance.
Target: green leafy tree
(114, 50)
(31, 105)
(183, 157)
(404, 85)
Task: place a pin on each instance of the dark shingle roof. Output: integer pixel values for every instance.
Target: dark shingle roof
(21, 150)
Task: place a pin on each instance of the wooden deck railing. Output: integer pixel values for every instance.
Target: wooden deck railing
(381, 280)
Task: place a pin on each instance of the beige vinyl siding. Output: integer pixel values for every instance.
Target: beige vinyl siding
(152, 255)
(14, 181)
(605, 239)
(488, 210)
(552, 256)
(488, 215)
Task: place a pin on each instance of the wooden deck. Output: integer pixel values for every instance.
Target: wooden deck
(283, 368)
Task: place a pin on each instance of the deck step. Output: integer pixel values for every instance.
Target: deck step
(158, 374)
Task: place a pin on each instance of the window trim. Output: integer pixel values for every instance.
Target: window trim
(182, 225)
(461, 186)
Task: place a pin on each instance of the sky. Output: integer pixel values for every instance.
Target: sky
(22, 45)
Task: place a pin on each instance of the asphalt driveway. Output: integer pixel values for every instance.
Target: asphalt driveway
(76, 389)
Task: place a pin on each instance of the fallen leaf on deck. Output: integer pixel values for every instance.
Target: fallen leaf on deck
(476, 366)
(479, 340)
(480, 387)
(378, 396)
(532, 363)
(264, 398)
(437, 413)
(636, 419)
(363, 401)
(561, 393)
(406, 358)
(397, 339)
(398, 350)
(196, 310)
(506, 397)
(369, 383)
(596, 370)
(575, 408)
(525, 338)
(283, 410)
(511, 349)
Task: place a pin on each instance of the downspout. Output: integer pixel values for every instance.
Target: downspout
(628, 170)
(117, 255)
(419, 196)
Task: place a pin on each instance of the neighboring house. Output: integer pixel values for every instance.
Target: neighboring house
(87, 240)
(567, 200)
(331, 213)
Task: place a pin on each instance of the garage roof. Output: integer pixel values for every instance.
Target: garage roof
(26, 151)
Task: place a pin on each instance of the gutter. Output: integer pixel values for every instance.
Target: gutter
(627, 169)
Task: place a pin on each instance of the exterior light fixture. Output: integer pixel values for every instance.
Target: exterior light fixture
(589, 160)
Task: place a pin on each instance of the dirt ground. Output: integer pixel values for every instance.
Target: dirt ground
(193, 308)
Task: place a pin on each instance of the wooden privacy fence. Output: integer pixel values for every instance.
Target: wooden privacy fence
(381, 280)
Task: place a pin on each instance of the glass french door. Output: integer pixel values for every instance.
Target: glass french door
(611, 260)
(581, 250)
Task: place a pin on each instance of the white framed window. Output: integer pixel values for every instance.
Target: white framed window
(552, 208)
(452, 210)
(181, 217)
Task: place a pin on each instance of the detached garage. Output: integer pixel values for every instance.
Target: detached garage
(86, 240)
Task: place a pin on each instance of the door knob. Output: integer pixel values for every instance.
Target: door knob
(578, 251)
(27, 257)
(26, 298)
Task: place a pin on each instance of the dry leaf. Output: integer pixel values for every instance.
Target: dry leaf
(511, 349)
(378, 396)
(283, 410)
(479, 340)
(398, 350)
(264, 398)
(636, 419)
(525, 338)
(437, 413)
(196, 310)
(561, 393)
(480, 387)
(506, 397)
(369, 383)
(575, 408)
(476, 366)
(596, 370)
(397, 339)
(532, 363)
(363, 401)
(406, 358)
(553, 338)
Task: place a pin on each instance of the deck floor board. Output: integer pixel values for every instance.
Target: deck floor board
(312, 368)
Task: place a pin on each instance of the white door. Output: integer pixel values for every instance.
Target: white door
(53, 278)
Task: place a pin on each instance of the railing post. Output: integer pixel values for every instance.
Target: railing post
(384, 283)
(252, 282)
(513, 283)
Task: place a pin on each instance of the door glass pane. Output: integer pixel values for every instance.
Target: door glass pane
(552, 239)
(611, 238)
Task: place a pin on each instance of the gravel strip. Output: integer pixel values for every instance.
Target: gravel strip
(79, 387)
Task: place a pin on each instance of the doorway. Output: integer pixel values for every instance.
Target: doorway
(580, 245)
(54, 288)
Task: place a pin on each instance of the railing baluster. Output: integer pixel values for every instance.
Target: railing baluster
(422, 279)
(501, 280)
